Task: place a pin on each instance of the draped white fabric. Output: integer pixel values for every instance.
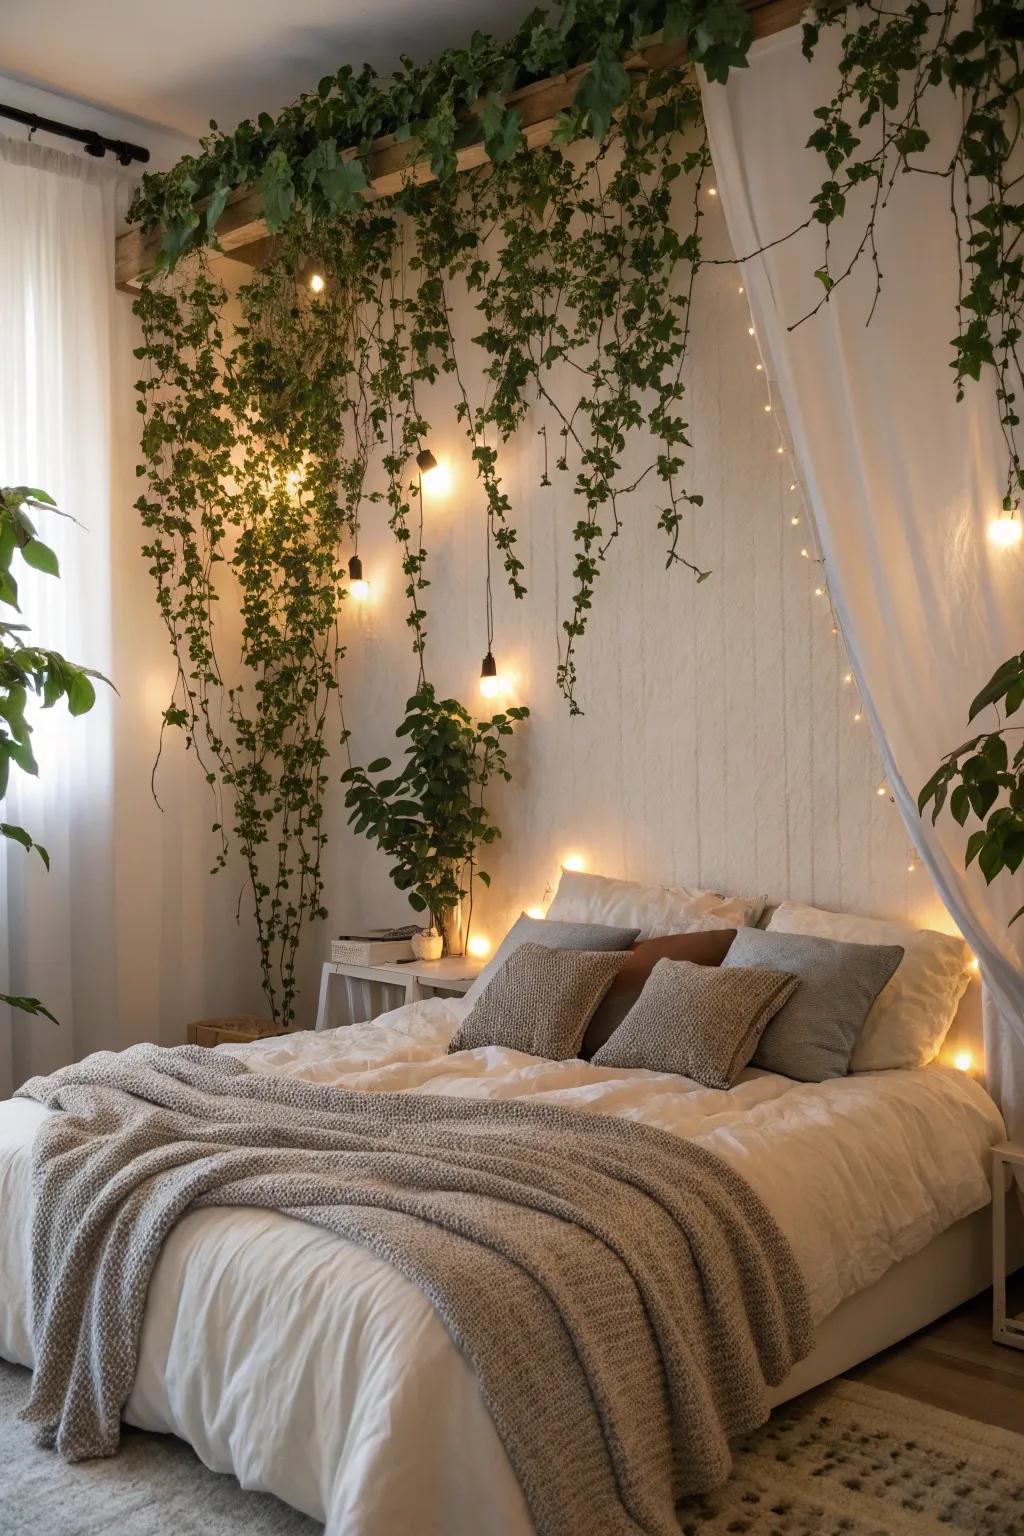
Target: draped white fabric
(902, 480)
(120, 939)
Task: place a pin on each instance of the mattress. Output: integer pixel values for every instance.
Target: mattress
(310, 1369)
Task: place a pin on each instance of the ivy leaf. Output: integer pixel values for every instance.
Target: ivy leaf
(342, 182)
(603, 88)
(277, 189)
(214, 209)
(503, 129)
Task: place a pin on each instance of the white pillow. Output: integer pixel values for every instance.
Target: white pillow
(910, 1017)
(654, 909)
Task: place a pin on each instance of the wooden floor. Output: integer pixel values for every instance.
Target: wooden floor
(955, 1365)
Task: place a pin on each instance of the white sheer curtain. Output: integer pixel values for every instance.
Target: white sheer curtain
(127, 937)
(901, 479)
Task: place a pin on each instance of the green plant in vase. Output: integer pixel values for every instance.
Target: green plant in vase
(429, 814)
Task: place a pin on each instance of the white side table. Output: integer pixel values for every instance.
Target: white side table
(1007, 1158)
(419, 978)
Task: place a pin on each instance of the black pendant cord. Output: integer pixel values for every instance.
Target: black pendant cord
(96, 144)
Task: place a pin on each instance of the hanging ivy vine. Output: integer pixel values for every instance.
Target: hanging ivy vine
(268, 441)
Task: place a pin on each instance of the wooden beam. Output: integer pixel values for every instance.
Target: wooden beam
(242, 229)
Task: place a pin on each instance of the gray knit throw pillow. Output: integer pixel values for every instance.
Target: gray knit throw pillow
(540, 1001)
(698, 1020)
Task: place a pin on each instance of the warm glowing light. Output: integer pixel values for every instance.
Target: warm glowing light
(795, 519)
(792, 485)
(759, 367)
(911, 867)
(317, 283)
(819, 591)
(574, 862)
(975, 964)
(963, 1061)
(767, 407)
(1005, 530)
(806, 554)
(437, 480)
(780, 449)
(535, 912)
(858, 716)
(712, 191)
(360, 590)
(740, 288)
(292, 480)
(490, 687)
(882, 790)
(478, 947)
(750, 330)
(848, 677)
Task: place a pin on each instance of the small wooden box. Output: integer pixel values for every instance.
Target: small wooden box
(239, 1030)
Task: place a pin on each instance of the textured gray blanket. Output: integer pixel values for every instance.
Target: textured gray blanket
(622, 1294)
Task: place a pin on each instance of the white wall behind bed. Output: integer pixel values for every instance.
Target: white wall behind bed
(718, 745)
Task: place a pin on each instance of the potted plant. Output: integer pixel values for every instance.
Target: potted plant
(429, 815)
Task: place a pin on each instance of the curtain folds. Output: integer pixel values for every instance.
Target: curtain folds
(901, 479)
(126, 938)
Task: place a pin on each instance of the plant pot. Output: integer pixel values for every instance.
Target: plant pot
(427, 946)
(451, 929)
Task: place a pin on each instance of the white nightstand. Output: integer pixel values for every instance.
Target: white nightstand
(418, 978)
(1007, 1159)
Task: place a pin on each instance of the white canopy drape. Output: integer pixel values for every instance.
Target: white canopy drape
(126, 938)
(901, 479)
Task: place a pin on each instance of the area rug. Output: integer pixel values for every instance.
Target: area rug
(846, 1460)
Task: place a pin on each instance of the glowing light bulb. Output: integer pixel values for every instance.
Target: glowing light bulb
(1005, 530)
(712, 191)
(882, 791)
(975, 964)
(848, 677)
(911, 867)
(478, 947)
(490, 682)
(435, 474)
(780, 449)
(750, 330)
(758, 367)
(794, 520)
(767, 407)
(535, 912)
(740, 288)
(806, 554)
(819, 591)
(317, 282)
(792, 485)
(574, 862)
(963, 1061)
(858, 716)
(358, 587)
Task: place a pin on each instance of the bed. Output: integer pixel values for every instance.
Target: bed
(373, 1421)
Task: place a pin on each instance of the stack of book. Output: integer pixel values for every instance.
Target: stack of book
(374, 946)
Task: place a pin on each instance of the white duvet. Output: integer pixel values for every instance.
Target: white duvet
(311, 1369)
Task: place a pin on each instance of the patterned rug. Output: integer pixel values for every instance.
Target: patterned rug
(846, 1460)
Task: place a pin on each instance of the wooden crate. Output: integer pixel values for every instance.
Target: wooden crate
(239, 1030)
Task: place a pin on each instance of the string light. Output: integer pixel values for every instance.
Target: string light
(882, 791)
(768, 409)
(819, 591)
(317, 282)
(795, 519)
(358, 586)
(848, 677)
(712, 191)
(478, 946)
(740, 288)
(759, 367)
(574, 862)
(1005, 530)
(490, 682)
(750, 330)
(858, 716)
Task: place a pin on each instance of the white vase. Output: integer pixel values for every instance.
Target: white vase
(427, 946)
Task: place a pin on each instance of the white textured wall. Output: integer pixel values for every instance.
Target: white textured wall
(718, 746)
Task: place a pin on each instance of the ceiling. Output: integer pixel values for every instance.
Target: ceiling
(180, 62)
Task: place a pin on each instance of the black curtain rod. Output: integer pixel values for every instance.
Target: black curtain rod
(95, 143)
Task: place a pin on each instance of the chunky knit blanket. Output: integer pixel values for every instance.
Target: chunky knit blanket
(622, 1294)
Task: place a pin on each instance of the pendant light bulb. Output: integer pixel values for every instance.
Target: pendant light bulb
(357, 586)
(1005, 530)
(317, 282)
(490, 682)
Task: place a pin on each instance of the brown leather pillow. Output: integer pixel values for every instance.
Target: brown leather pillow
(709, 946)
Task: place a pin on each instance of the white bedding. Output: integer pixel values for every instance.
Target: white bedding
(311, 1369)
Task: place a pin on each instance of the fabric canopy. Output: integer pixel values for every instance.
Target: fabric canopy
(902, 481)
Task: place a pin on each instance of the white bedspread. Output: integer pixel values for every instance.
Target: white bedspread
(311, 1369)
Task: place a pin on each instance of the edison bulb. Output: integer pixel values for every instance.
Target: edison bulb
(1005, 531)
(490, 687)
(359, 589)
(478, 947)
(317, 283)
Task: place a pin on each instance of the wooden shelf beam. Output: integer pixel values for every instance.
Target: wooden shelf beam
(242, 229)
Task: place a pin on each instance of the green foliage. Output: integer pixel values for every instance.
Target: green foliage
(429, 814)
(983, 781)
(29, 672)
